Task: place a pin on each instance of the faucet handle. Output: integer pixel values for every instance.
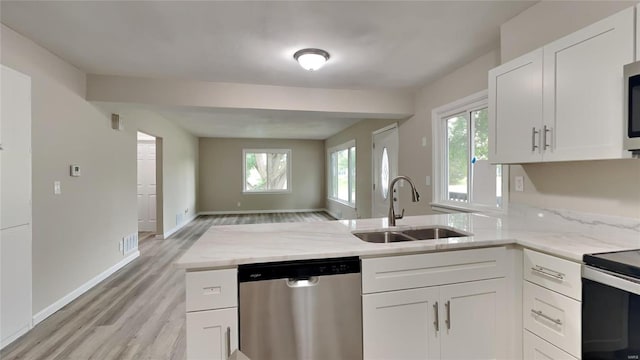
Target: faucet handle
(398, 217)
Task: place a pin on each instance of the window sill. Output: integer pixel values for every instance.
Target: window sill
(342, 202)
(452, 207)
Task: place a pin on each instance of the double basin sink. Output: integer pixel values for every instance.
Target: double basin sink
(391, 236)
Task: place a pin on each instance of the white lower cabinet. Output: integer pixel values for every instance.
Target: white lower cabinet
(459, 321)
(401, 324)
(212, 334)
(212, 314)
(536, 348)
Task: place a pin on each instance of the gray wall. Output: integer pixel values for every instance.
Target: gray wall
(76, 234)
(220, 184)
(605, 187)
(362, 134)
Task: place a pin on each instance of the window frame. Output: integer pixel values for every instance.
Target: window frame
(351, 181)
(439, 117)
(257, 151)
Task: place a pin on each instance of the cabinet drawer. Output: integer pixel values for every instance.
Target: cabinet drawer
(536, 348)
(212, 289)
(553, 273)
(552, 316)
(413, 271)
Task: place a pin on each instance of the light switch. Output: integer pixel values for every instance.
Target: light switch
(427, 180)
(57, 189)
(424, 141)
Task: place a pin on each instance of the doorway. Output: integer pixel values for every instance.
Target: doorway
(385, 168)
(147, 186)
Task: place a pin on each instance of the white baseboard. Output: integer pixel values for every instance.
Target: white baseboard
(49, 310)
(15, 336)
(239, 212)
(178, 227)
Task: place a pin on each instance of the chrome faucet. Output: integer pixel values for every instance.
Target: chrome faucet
(415, 197)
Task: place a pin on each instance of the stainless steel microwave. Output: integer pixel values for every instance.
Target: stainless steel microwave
(632, 108)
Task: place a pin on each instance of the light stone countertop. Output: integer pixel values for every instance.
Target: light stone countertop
(561, 233)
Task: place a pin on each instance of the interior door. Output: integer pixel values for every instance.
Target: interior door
(385, 168)
(15, 205)
(147, 199)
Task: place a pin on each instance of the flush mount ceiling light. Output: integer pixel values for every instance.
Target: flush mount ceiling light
(311, 59)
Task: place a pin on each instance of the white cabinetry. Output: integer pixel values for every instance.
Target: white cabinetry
(551, 305)
(515, 110)
(582, 93)
(15, 205)
(212, 314)
(436, 320)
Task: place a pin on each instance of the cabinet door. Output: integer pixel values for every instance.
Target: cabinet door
(15, 156)
(472, 320)
(515, 110)
(212, 334)
(583, 90)
(401, 325)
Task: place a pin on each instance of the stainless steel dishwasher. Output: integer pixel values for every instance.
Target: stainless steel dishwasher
(301, 310)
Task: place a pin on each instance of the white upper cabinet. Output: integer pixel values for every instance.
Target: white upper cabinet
(583, 90)
(563, 102)
(515, 110)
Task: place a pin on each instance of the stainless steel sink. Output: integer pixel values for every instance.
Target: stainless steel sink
(430, 233)
(433, 233)
(383, 236)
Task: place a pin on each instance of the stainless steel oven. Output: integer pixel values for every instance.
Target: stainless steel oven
(611, 306)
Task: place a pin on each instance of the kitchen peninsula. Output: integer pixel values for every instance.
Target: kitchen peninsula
(492, 263)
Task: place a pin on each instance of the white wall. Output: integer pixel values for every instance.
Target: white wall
(76, 234)
(605, 187)
(179, 151)
(415, 160)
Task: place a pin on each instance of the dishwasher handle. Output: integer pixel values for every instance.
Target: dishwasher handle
(303, 282)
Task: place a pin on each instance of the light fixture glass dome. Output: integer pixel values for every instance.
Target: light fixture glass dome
(311, 59)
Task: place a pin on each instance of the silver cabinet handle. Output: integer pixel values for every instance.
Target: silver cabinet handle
(447, 321)
(541, 314)
(228, 342)
(548, 272)
(534, 132)
(436, 322)
(546, 145)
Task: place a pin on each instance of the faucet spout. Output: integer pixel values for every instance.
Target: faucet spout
(415, 197)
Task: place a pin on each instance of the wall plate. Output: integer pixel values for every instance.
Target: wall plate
(74, 170)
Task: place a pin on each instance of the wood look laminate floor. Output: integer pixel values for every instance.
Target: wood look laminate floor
(138, 312)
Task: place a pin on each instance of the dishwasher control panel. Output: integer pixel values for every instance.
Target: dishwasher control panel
(298, 269)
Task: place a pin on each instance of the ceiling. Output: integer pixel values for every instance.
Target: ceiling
(374, 45)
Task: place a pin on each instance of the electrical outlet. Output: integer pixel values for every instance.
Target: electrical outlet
(239, 203)
(427, 180)
(519, 183)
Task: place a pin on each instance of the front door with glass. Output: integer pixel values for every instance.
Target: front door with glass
(385, 168)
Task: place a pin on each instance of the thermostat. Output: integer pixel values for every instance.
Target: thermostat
(75, 170)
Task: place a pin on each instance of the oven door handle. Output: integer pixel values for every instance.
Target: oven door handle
(608, 278)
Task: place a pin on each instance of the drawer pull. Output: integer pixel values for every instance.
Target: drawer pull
(543, 315)
(211, 290)
(548, 272)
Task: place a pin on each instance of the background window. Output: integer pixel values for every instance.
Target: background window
(467, 179)
(342, 173)
(266, 170)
